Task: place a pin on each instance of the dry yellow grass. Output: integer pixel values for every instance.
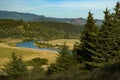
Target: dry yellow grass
(27, 53)
(11, 41)
(69, 42)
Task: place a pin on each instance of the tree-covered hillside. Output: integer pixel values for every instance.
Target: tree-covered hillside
(39, 18)
(37, 30)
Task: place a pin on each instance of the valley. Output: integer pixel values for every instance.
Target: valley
(36, 47)
(8, 46)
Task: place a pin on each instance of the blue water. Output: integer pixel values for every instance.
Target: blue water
(30, 44)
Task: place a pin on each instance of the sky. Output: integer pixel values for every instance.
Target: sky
(59, 8)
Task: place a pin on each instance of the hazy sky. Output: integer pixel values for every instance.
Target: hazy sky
(59, 8)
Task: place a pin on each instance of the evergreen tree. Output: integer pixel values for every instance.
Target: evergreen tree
(116, 13)
(86, 38)
(65, 61)
(107, 39)
(107, 23)
(116, 21)
(87, 48)
(16, 67)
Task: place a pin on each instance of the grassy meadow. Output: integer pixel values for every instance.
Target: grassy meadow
(7, 47)
(69, 42)
(27, 53)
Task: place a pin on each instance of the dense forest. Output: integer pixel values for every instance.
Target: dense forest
(37, 30)
(97, 57)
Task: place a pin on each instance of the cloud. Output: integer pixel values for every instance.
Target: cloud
(58, 8)
(27, 5)
(83, 5)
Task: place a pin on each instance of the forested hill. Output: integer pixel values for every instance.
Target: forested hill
(38, 18)
(37, 30)
(18, 15)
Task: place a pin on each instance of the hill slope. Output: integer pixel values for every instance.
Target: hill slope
(38, 30)
(18, 16)
(38, 18)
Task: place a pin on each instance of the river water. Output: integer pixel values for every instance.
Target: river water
(30, 44)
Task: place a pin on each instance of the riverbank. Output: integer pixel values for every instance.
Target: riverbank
(57, 43)
(27, 53)
(10, 41)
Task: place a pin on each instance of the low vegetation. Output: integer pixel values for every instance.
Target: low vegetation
(56, 44)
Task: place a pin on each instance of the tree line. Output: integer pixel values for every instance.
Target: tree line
(38, 30)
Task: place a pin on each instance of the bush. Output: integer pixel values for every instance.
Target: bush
(37, 61)
(108, 72)
(16, 67)
(65, 61)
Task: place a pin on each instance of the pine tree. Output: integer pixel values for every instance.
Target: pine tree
(107, 39)
(87, 48)
(87, 38)
(107, 23)
(106, 36)
(64, 63)
(16, 67)
(116, 21)
(116, 13)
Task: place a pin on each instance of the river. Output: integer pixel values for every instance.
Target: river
(30, 44)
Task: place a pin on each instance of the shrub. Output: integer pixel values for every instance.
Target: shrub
(16, 67)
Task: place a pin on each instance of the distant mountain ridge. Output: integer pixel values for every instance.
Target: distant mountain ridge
(37, 18)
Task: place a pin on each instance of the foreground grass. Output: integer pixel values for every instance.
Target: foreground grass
(28, 54)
